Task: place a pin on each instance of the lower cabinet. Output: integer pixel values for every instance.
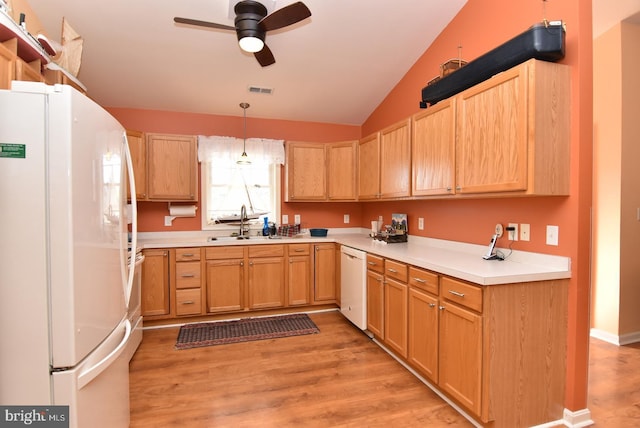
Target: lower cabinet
(155, 284)
(266, 276)
(324, 290)
(299, 275)
(497, 351)
(225, 278)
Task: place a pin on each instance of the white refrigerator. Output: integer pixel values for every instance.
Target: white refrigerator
(65, 279)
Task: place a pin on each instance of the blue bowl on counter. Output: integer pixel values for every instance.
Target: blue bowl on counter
(318, 232)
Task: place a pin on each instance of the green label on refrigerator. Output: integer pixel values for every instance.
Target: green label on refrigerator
(8, 150)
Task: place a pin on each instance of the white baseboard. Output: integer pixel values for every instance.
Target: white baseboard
(618, 340)
(577, 419)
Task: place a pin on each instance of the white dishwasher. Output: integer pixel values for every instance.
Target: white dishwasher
(353, 285)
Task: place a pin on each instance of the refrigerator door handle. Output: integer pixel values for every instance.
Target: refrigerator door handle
(134, 220)
(93, 371)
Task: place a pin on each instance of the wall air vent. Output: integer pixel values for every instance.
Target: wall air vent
(260, 90)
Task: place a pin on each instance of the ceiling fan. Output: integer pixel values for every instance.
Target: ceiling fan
(252, 24)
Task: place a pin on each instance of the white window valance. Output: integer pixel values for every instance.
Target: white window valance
(259, 150)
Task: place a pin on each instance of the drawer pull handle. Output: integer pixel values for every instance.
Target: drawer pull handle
(188, 302)
(299, 250)
(187, 275)
(187, 255)
(423, 281)
(456, 293)
(392, 270)
(372, 263)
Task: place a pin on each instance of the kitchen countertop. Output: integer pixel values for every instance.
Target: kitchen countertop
(456, 259)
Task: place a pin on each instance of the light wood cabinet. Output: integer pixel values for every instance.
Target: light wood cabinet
(305, 168)
(395, 160)
(138, 150)
(7, 64)
(299, 274)
(29, 72)
(155, 284)
(423, 322)
(225, 279)
(433, 150)
(384, 163)
(266, 276)
(172, 167)
(188, 282)
(375, 303)
(341, 171)
(512, 132)
(321, 172)
(395, 306)
(324, 265)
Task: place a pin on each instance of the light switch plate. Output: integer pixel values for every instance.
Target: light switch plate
(552, 235)
(420, 223)
(525, 232)
(296, 219)
(285, 219)
(346, 218)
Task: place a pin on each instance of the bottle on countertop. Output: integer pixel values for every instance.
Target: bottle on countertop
(265, 228)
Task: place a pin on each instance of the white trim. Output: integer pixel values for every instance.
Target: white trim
(577, 419)
(614, 339)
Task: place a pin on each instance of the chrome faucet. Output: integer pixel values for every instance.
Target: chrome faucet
(243, 217)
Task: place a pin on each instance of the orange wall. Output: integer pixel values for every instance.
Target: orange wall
(479, 27)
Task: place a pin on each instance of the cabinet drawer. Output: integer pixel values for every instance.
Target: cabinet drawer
(420, 278)
(222, 253)
(395, 270)
(266, 251)
(188, 301)
(375, 263)
(187, 274)
(462, 293)
(298, 249)
(187, 254)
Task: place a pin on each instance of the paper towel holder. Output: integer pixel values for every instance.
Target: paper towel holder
(179, 211)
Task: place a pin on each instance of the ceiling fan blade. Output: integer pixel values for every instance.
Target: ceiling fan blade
(203, 23)
(265, 56)
(288, 15)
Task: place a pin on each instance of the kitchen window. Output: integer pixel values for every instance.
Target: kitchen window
(227, 185)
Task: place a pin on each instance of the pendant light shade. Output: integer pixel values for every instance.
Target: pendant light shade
(244, 158)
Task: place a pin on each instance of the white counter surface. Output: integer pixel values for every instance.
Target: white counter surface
(455, 259)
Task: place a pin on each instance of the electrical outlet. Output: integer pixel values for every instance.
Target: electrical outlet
(552, 235)
(167, 220)
(346, 218)
(285, 219)
(420, 223)
(296, 219)
(499, 230)
(525, 232)
(512, 230)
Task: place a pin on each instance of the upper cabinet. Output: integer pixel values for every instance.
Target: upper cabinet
(172, 167)
(384, 163)
(320, 172)
(138, 150)
(512, 132)
(433, 150)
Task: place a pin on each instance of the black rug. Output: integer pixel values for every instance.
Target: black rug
(219, 333)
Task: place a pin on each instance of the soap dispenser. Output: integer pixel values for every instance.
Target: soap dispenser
(265, 228)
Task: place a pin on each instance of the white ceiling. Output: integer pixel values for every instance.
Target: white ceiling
(335, 67)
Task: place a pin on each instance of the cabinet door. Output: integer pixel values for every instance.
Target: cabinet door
(395, 160)
(492, 134)
(395, 315)
(155, 283)
(433, 150)
(28, 72)
(225, 279)
(460, 357)
(369, 167)
(7, 66)
(423, 333)
(138, 149)
(341, 171)
(375, 304)
(266, 282)
(324, 273)
(306, 172)
(299, 280)
(172, 167)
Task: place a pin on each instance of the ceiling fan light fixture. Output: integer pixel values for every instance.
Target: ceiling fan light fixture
(251, 44)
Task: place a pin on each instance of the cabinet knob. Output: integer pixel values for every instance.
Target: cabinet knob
(442, 308)
(241, 263)
(432, 305)
(448, 188)
(250, 263)
(458, 188)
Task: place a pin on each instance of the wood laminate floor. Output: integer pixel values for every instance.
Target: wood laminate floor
(338, 378)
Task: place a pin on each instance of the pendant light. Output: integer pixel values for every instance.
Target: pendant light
(244, 158)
